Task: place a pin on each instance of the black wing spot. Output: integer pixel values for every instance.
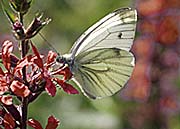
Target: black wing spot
(120, 35)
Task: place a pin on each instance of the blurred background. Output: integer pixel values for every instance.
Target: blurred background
(150, 100)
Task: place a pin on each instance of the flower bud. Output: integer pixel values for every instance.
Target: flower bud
(18, 30)
(36, 25)
(21, 6)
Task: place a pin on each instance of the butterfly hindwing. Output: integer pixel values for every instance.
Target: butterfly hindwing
(102, 72)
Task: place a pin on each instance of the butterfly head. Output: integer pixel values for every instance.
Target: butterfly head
(65, 59)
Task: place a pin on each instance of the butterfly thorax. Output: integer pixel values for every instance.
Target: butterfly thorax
(65, 59)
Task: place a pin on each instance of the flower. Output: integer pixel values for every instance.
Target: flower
(48, 75)
(168, 30)
(9, 121)
(39, 75)
(21, 6)
(36, 25)
(52, 123)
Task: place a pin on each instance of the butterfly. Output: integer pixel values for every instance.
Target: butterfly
(100, 60)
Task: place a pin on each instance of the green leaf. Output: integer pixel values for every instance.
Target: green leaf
(8, 14)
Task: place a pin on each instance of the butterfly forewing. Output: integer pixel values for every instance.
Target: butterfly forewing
(102, 72)
(116, 30)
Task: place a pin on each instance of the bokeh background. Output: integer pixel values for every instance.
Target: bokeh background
(150, 100)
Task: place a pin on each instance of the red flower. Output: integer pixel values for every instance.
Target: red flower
(50, 87)
(36, 73)
(7, 48)
(9, 121)
(168, 30)
(169, 103)
(50, 58)
(48, 75)
(7, 100)
(149, 7)
(66, 87)
(4, 82)
(34, 124)
(7, 76)
(19, 89)
(52, 123)
(37, 60)
(139, 84)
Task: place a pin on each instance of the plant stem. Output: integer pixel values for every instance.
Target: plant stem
(20, 15)
(24, 113)
(23, 45)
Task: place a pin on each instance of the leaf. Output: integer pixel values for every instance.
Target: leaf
(9, 15)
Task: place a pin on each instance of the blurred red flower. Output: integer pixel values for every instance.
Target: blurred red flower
(168, 31)
(138, 87)
(149, 7)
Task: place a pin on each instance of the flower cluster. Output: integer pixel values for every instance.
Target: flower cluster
(23, 79)
(39, 77)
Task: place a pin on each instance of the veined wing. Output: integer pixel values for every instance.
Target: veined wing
(102, 72)
(115, 30)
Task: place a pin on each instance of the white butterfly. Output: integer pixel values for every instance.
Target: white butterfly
(100, 60)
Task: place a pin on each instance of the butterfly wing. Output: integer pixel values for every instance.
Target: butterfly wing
(115, 30)
(102, 72)
(102, 61)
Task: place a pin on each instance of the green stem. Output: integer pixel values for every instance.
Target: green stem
(20, 15)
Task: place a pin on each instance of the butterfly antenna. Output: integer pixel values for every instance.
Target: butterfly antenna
(49, 43)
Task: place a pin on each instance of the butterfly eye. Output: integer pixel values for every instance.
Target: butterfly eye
(60, 59)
